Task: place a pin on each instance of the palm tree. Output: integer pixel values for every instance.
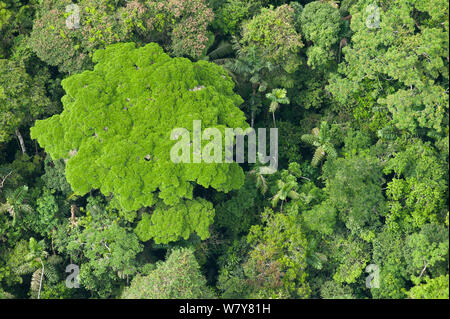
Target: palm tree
(247, 65)
(39, 264)
(37, 254)
(321, 139)
(259, 171)
(285, 190)
(15, 203)
(261, 183)
(250, 66)
(277, 96)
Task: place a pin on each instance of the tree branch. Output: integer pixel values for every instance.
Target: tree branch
(22, 143)
(3, 179)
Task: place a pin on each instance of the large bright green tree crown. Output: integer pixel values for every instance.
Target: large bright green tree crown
(117, 120)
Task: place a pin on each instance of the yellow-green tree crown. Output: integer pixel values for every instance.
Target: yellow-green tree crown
(115, 128)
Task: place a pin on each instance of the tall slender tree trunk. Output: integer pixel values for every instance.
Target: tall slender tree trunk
(72, 213)
(273, 116)
(252, 122)
(21, 142)
(423, 269)
(40, 283)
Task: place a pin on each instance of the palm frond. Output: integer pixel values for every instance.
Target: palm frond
(330, 150)
(6, 207)
(35, 281)
(309, 138)
(224, 49)
(24, 269)
(316, 131)
(51, 273)
(319, 154)
(273, 106)
(275, 200)
(223, 61)
(54, 260)
(293, 195)
(26, 208)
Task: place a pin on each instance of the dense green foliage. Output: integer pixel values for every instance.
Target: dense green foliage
(90, 92)
(178, 277)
